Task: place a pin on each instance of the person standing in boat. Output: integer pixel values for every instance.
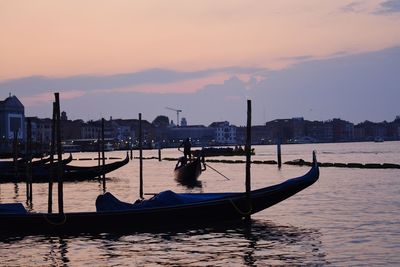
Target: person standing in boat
(186, 148)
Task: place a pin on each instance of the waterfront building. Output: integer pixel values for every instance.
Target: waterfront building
(90, 130)
(225, 134)
(12, 118)
(260, 135)
(184, 122)
(343, 131)
(41, 130)
(198, 134)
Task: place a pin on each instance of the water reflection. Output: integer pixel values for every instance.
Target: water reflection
(191, 185)
(16, 191)
(248, 244)
(43, 250)
(257, 243)
(252, 244)
(58, 251)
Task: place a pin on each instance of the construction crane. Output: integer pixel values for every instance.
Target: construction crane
(177, 114)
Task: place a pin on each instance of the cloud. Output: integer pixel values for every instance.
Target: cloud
(299, 58)
(351, 87)
(354, 7)
(155, 80)
(388, 7)
(48, 97)
(383, 8)
(351, 7)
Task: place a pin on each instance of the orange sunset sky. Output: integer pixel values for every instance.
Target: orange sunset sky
(56, 39)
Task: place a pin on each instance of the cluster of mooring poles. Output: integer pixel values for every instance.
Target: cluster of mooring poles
(57, 169)
(55, 145)
(101, 159)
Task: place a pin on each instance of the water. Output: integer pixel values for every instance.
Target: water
(349, 217)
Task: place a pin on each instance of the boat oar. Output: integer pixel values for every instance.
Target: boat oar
(216, 171)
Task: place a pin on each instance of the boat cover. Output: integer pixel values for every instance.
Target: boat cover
(108, 202)
(12, 208)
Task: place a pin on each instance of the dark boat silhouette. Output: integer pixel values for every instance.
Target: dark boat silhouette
(166, 210)
(40, 174)
(187, 173)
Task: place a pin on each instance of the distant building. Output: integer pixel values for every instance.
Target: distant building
(41, 130)
(12, 118)
(225, 134)
(183, 122)
(90, 130)
(260, 135)
(342, 130)
(198, 134)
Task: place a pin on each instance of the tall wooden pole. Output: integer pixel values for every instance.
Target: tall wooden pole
(140, 157)
(99, 151)
(15, 154)
(59, 157)
(29, 160)
(131, 146)
(52, 151)
(102, 154)
(41, 147)
(26, 162)
(279, 153)
(248, 154)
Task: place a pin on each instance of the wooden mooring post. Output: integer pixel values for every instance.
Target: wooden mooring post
(52, 151)
(59, 157)
(140, 158)
(28, 158)
(131, 147)
(15, 154)
(278, 149)
(103, 154)
(248, 157)
(99, 152)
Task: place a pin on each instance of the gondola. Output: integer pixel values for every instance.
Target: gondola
(166, 210)
(40, 170)
(9, 166)
(187, 173)
(84, 173)
(40, 174)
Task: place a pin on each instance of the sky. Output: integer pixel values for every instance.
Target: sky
(305, 58)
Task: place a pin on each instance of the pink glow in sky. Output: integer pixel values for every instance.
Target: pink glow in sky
(61, 38)
(48, 97)
(186, 86)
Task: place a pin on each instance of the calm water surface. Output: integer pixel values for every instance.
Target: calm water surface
(349, 217)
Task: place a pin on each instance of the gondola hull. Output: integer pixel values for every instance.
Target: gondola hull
(9, 167)
(204, 209)
(40, 174)
(189, 173)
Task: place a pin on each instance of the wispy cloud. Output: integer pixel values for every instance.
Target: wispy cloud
(313, 89)
(385, 7)
(388, 7)
(38, 89)
(356, 7)
(39, 99)
(298, 58)
(180, 87)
